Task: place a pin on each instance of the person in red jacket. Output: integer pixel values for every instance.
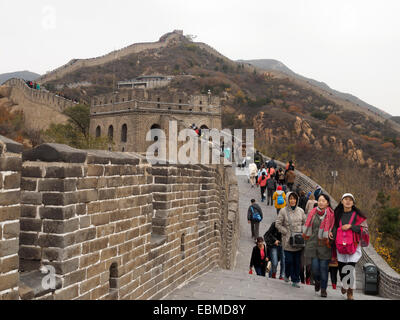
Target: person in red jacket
(259, 258)
(262, 181)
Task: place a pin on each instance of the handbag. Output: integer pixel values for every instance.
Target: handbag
(269, 265)
(296, 239)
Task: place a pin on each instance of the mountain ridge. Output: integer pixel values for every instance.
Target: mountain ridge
(26, 75)
(276, 65)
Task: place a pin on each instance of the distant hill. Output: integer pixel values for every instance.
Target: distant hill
(396, 119)
(275, 65)
(26, 75)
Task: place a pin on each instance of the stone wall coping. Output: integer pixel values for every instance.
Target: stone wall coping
(60, 153)
(8, 145)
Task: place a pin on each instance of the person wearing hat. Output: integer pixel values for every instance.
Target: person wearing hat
(291, 220)
(349, 217)
(279, 192)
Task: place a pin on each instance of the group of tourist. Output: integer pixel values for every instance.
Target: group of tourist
(309, 238)
(33, 85)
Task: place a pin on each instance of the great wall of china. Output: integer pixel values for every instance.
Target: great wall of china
(112, 225)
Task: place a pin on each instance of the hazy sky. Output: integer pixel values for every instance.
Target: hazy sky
(352, 45)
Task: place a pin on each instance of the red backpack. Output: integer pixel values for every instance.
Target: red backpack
(345, 243)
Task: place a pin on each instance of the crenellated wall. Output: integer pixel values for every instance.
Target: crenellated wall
(113, 226)
(10, 174)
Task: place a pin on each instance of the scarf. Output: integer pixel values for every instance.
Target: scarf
(327, 223)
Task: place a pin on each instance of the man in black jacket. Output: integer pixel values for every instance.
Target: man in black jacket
(255, 225)
(271, 188)
(273, 239)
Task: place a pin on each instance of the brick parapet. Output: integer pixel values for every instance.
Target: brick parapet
(115, 227)
(10, 176)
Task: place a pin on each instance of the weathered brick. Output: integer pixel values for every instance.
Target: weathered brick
(106, 194)
(67, 293)
(31, 197)
(87, 183)
(116, 239)
(60, 199)
(105, 230)
(96, 269)
(88, 260)
(85, 196)
(9, 213)
(31, 224)
(89, 285)
(9, 281)
(95, 170)
(93, 207)
(28, 184)
(110, 205)
(85, 235)
(112, 170)
(28, 238)
(65, 267)
(12, 181)
(64, 172)
(10, 198)
(11, 230)
(84, 222)
(60, 226)
(99, 292)
(10, 295)
(30, 253)
(98, 244)
(10, 164)
(100, 219)
(8, 264)
(74, 277)
(55, 240)
(108, 253)
(32, 172)
(51, 185)
(57, 213)
(114, 182)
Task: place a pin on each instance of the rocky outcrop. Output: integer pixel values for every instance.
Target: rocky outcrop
(303, 132)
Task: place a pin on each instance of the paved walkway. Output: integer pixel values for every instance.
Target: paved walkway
(220, 284)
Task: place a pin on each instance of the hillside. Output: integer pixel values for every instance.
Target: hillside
(26, 75)
(293, 118)
(274, 65)
(198, 68)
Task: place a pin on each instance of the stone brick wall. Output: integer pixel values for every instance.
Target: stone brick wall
(76, 64)
(389, 280)
(39, 96)
(10, 173)
(114, 227)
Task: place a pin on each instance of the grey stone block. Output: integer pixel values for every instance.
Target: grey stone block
(8, 145)
(52, 152)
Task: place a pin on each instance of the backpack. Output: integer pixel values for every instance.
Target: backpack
(256, 217)
(345, 243)
(280, 200)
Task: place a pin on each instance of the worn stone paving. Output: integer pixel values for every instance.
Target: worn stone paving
(219, 284)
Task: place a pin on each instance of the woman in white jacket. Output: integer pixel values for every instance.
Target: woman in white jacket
(253, 173)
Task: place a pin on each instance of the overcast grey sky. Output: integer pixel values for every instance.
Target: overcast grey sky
(352, 45)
